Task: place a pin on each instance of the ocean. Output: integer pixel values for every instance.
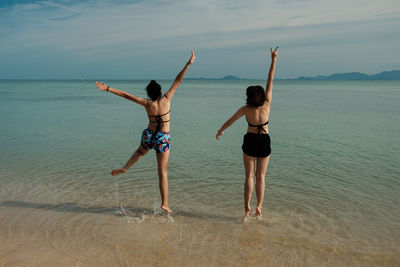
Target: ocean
(332, 186)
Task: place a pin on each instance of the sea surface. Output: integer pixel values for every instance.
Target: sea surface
(332, 187)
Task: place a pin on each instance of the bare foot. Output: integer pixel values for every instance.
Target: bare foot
(258, 211)
(247, 212)
(165, 208)
(117, 171)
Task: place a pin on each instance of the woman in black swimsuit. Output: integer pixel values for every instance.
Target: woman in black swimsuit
(256, 143)
(156, 135)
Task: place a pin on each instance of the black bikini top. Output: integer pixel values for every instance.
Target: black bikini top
(158, 118)
(260, 126)
(159, 121)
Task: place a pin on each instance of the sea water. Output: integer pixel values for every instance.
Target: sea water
(332, 185)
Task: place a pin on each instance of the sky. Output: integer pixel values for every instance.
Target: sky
(139, 39)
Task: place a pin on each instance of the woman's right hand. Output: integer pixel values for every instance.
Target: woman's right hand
(274, 53)
(102, 86)
(192, 58)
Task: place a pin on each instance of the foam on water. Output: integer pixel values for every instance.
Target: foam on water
(138, 216)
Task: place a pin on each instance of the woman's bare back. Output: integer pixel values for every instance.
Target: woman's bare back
(258, 116)
(159, 110)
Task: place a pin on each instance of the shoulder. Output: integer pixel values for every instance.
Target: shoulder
(266, 104)
(164, 99)
(147, 102)
(243, 110)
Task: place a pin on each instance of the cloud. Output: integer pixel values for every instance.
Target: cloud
(51, 4)
(66, 17)
(114, 29)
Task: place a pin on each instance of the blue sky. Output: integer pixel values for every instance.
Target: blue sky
(152, 39)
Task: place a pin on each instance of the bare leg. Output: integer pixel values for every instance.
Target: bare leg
(138, 154)
(162, 162)
(262, 165)
(248, 183)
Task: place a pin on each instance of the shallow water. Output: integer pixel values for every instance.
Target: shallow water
(332, 188)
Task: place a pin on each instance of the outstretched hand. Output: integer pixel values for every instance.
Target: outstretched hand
(219, 134)
(192, 58)
(274, 53)
(102, 86)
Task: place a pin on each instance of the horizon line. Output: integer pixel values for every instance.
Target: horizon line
(228, 77)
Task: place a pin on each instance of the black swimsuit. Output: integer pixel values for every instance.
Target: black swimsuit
(159, 121)
(256, 144)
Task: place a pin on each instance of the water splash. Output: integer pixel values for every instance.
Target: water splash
(253, 219)
(159, 214)
(123, 211)
(117, 194)
(138, 217)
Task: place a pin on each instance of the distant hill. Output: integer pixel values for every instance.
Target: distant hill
(355, 76)
(228, 77)
(393, 75)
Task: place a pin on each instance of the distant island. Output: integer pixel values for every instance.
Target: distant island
(393, 75)
(228, 77)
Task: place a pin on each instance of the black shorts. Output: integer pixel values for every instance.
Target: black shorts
(257, 145)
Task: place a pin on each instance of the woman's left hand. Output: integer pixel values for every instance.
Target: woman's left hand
(102, 86)
(219, 134)
(192, 58)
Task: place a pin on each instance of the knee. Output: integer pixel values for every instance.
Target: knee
(260, 178)
(162, 173)
(249, 177)
(141, 151)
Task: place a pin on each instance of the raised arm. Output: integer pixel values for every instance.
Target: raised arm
(239, 113)
(178, 80)
(271, 73)
(103, 87)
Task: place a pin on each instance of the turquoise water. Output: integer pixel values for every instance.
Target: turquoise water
(332, 188)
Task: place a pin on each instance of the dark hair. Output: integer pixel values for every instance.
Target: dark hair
(255, 96)
(153, 90)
